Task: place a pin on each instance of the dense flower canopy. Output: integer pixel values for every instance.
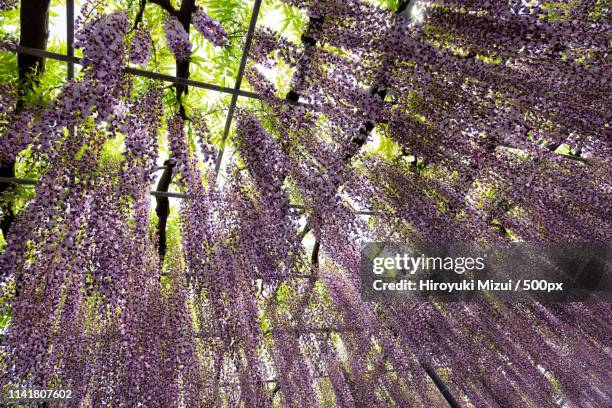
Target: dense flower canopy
(492, 124)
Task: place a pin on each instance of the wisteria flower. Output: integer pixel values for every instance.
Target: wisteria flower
(209, 28)
(177, 39)
(140, 49)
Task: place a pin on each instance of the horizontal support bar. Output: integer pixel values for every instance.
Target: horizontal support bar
(17, 180)
(182, 81)
(361, 212)
(135, 71)
(32, 182)
(167, 194)
(567, 156)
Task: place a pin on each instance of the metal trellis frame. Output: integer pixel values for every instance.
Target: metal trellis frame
(19, 49)
(154, 193)
(243, 61)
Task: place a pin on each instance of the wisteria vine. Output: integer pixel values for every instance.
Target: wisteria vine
(496, 121)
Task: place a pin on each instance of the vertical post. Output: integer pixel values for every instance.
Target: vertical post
(70, 35)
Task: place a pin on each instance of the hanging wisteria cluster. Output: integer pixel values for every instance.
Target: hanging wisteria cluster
(177, 39)
(209, 28)
(140, 49)
(497, 116)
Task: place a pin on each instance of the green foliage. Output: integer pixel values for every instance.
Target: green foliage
(288, 21)
(557, 10)
(112, 152)
(5, 306)
(284, 293)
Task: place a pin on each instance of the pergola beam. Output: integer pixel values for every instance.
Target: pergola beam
(241, 68)
(154, 193)
(19, 49)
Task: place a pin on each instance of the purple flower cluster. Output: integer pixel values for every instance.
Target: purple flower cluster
(265, 42)
(437, 195)
(218, 240)
(203, 135)
(177, 39)
(87, 233)
(140, 48)
(90, 10)
(210, 29)
(7, 4)
(276, 222)
(103, 45)
(9, 98)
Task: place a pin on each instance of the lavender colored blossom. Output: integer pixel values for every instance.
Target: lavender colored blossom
(177, 39)
(209, 28)
(103, 44)
(140, 49)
